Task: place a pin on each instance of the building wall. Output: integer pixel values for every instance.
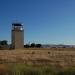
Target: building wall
(17, 39)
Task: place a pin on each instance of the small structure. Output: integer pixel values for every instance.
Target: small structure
(17, 36)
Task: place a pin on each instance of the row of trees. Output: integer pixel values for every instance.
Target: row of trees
(3, 42)
(32, 45)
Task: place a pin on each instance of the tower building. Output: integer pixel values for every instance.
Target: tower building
(17, 36)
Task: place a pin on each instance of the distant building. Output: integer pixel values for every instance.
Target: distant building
(17, 36)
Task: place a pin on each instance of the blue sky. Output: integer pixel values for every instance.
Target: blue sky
(45, 21)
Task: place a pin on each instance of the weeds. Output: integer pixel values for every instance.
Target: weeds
(23, 69)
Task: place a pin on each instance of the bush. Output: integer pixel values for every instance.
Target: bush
(26, 46)
(38, 45)
(33, 45)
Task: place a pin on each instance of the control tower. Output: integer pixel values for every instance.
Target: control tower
(17, 36)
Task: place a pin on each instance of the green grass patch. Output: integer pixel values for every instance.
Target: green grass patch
(23, 69)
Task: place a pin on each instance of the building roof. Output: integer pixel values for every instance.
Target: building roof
(17, 24)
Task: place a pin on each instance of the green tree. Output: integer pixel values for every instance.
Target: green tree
(26, 46)
(4, 42)
(38, 45)
(0, 42)
(33, 45)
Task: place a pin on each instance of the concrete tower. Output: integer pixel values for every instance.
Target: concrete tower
(17, 36)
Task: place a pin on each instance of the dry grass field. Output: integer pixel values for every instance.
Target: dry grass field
(53, 56)
(38, 61)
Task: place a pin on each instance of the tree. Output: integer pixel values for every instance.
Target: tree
(0, 42)
(26, 46)
(33, 45)
(38, 45)
(4, 42)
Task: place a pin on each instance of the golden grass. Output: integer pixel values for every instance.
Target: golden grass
(53, 56)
